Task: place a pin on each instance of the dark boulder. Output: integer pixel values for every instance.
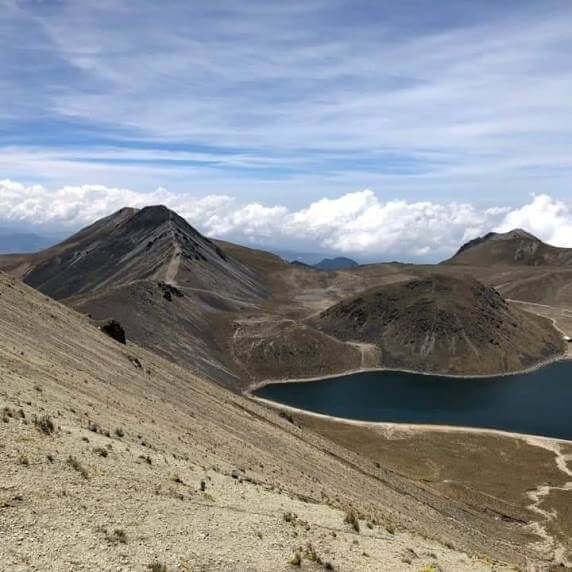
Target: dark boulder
(169, 291)
(114, 330)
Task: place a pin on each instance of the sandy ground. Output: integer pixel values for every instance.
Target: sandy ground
(112, 458)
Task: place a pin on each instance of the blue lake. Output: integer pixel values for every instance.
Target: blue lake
(538, 402)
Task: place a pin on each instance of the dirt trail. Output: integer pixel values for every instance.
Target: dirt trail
(537, 496)
(561, 318)
(173, 267)
(370, 354)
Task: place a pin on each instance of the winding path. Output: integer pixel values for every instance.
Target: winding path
(173, 267)
(538, 495)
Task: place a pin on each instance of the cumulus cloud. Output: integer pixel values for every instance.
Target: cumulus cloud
(358, 223)
(69, 206)
(544, 217)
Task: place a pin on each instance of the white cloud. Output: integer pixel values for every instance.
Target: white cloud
(357, 223)
(68, 206)
(476, 105)
(543, 217)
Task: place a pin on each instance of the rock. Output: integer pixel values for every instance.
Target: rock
(114, 330)
(169, 291)
(135, 361)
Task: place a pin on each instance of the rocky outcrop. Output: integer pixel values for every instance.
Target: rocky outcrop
(114, 330)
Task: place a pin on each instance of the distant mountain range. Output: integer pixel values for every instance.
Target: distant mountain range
(338, 263)
(12, 242)
(328, 264)
(235, 314)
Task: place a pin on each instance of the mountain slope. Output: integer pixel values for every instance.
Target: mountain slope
(236, 315)
(443, 323)
(104, 450)
(153, 243)
(105, 446)
(165, 282)
(516, 247)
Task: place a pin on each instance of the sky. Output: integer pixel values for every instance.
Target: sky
(378, 129)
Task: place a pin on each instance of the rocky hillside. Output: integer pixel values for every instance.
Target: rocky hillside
(236, 315)
(115, 459)
(159, 277)
(516, 247)
(153, 243)
(443, 323)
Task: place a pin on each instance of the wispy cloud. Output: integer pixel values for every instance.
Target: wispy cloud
(421, 99)
(357, 223)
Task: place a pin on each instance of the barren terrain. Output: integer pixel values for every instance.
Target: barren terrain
(235, 315)
(115, 482)
(114, 458)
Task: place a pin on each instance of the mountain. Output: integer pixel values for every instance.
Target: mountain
(159, 277)
(516, 247)
(12, 242)
(300, 264)
(443, 323)
(94, 432)
(153, 243)
(237, 315)
(338, 263)
(91, 430)
(309, 258)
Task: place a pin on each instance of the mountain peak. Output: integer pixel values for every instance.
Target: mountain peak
(149, 244)
(156, 214)
(439, 319)
(517, 233)
(514, 247)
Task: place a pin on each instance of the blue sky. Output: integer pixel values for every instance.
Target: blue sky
(281, 105)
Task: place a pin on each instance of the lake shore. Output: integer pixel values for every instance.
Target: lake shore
(253, 387)
(413, 427)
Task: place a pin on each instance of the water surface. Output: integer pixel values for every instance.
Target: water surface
(538, 402)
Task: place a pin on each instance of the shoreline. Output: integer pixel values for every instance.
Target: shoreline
(256, 385)
(413, 427)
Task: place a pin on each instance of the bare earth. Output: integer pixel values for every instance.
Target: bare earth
(115, 482)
